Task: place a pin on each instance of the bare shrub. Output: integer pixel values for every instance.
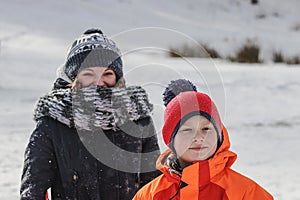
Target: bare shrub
(185, 50)
(293, 61)
(278, 57)
(249, 53)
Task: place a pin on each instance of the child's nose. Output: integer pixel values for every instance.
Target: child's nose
(197, 137)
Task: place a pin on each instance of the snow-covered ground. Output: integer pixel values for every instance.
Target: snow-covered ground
(259, 104)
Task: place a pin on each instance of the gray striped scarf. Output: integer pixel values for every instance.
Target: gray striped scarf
(94, 107)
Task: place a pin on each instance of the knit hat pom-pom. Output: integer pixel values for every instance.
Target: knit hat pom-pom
(92, 31)
(175, 88)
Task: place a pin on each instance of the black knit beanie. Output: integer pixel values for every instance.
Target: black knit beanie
(93, 49)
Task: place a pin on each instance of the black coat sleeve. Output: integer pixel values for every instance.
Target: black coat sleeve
(39, 163)
(149, 144)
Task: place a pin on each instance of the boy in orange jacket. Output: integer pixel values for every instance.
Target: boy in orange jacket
(197, 165)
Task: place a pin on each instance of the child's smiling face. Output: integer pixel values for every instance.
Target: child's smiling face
(195, 140)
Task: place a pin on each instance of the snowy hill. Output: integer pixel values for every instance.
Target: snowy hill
(259, 103)
(46, 27)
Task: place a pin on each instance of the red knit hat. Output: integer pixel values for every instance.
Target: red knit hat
(182, 101)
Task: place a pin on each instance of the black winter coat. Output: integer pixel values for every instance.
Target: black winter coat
(57, 159)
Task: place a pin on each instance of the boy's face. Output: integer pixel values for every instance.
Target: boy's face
(195, 140)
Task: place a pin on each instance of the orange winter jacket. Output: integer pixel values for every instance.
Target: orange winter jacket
(205, 180)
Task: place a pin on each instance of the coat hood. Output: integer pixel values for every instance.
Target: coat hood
(203, 171)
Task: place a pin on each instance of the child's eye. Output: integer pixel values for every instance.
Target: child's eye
(186, 130)
(206, 128)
